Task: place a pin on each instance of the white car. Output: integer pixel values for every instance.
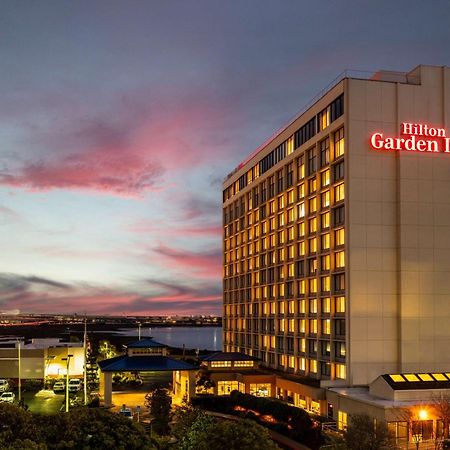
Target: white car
(59, 387)
(7, 397)
(74, 385)
(4, 385)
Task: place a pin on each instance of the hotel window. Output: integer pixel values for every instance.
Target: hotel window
(325, 199)
(339, 260)
(339, 282)
(312, 225)
(312, 185)
(226, 387)
(260, 389)
(271, 186)
(325, 369)
(281, 237)
(313, 306)
(301, 191)
(342, 420)
(290, 249)
(291, 307)
(325, 241)
(302, 325)
(291, 325)
(301, 287)
(290, 197)
(280, 202)
(338, 171)
(272, 224)
(281, 222)
(302, 364)
(290, 145)
(302, 306)
(312, 245)
(301, 167)
(312, 205)
(339, 327)
(272, 207)
(291, 271)
(339, 237)
(301, 210)
(220, 363)
(313, 366)
(339, 349)
(325, 284)
(302, 345)
(272, 307)
(324, 152)
(290, 215)
(289, 174)
(326, 305)
(339, 143)
(301, 248)
(290, 234)
(280, 181)
(339, 193)
(340, 371)
(325, 178)
(312, 286)
(312, 266)
(325, 220)
(338, 216)
(325, 263)
(281, 258)
(301, 229)
(312, 162)
(324, 118)
(340, 304)
(313, 328)
(326, 326)
(326, 348)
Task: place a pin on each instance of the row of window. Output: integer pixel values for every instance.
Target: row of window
(301, 136)
(266, 191)
(323, 305)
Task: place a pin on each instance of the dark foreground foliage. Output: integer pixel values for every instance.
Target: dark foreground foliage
(290, 421)
(80, 429)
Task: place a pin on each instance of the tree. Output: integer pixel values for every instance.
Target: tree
(92, 370)
(207, 433)
(106, 350)
(441, 406)
(159, 403)
(203, 380)
(364, 434)
(184, 417)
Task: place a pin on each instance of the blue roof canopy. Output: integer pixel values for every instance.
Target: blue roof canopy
(229, 356)
(146, 343)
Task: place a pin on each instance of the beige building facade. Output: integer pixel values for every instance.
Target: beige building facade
(336, 247)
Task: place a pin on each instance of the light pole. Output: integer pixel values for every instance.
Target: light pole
(67, 380)
(19, 385)
(139, 330)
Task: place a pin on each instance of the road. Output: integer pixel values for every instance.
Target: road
(43, 402)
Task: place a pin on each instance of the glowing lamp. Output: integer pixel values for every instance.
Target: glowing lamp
(423, 415)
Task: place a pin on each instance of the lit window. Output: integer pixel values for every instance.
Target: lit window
(301, 288)
(243, 364)
(290, 145)
(325, 178)
(302, 364)
(313, 306)
(340, 371)
(340, 304)
(342, 420)
(290, 232)
(326, 326)
(312, 225)
(339, 237)
(272, 206)
(325, 199)
(301, 210)
(313, 365)
(290, 197)
(290, 215)
(302, 325)
(302, 305)
(290, 248)
(326, 305)
(325, 284)
(325, 262)
(325, 238)
(312, 245)
(301, 191)
(301, 229)
(291, 325)
(339, 192)
(312, 205)
(312, 286)
(220, 363)
(339, 260)
(325, 218)
(339, 143)
(301, 248)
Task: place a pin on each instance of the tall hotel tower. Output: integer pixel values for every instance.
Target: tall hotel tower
(336, 236)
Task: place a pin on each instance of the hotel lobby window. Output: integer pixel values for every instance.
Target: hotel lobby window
(226, 387)
(260, 389)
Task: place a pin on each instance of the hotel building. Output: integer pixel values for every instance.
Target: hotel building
(336, 245)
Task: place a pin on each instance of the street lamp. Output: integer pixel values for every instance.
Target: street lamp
(19, 369)
(67, 380)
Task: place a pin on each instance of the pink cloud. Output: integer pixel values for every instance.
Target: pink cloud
(149, 227)
(196, 264)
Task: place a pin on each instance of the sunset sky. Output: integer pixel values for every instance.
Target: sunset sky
(120, 119)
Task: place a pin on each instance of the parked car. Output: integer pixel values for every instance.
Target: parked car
(126, 412)
(74, 385)
(8, 397)
(59, 387)
(4, 385)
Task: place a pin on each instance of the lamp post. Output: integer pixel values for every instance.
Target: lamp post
(139, 330)
(19, 385)
(67, 380)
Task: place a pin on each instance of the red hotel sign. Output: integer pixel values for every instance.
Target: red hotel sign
(417, 137)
